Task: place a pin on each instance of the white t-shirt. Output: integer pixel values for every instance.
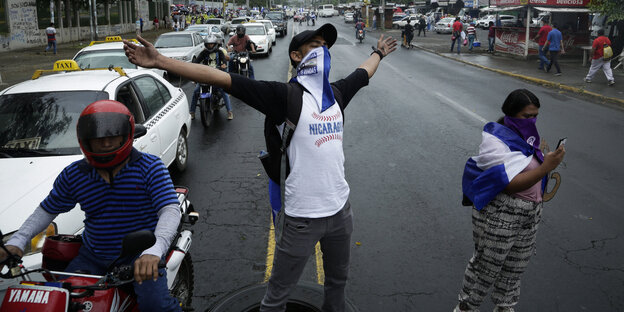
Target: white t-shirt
(316, 185)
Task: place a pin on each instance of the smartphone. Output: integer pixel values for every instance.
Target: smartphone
(561, 141)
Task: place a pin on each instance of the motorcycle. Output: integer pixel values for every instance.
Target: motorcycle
(241, 63)
(112, 292)
(360, 35)
(210, 101)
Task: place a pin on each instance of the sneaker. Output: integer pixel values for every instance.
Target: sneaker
(503, 309)
(230, 116)
(192, 116)
(587, 80)
(611, 82)
(463, 307)
(557, 74)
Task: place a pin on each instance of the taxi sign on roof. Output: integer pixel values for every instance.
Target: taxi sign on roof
(64, 65)
(112, 39)
(71, 65)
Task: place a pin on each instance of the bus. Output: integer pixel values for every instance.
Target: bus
(326, 10)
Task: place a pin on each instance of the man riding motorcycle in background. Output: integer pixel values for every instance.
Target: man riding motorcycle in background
(214, 56)
(239, 43)
(120, 190)
(359, 25)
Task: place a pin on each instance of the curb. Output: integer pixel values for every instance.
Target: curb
(556, 85)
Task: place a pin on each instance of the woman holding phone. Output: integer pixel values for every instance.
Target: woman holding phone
(505, 184)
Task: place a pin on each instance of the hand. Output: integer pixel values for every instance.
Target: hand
(146, 267)
(386, 46)
(144, 56)
(223, 66)
(12, 249)
(553, 159)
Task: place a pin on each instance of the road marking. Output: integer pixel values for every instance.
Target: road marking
(318, 255)
(461, 108)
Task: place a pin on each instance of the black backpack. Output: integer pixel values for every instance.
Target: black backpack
(277, 144)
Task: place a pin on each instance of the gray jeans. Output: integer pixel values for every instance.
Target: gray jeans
(299, 237)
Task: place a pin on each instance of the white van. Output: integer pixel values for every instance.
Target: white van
(327, 11)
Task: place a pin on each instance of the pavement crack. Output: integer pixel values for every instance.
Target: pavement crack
(596, 245)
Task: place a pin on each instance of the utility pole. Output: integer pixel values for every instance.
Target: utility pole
(383, 14)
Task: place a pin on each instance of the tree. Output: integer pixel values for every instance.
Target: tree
(612, 9)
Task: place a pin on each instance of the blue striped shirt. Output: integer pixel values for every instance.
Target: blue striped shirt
(131, 203)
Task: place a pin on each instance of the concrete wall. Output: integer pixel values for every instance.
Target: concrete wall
(25, 32)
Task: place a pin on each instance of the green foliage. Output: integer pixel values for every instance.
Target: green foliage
(611, 8)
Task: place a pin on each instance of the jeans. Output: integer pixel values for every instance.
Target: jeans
(150, 295)
(231, 69)
(375, 24)
(299, 236)
(542, 58)
(51, 44)
(195, 98)
(554, 55)
(471, 39)
(423, 31)
(491, 41)
(458, 39)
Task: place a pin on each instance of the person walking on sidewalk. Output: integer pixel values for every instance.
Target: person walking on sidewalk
(156, 22)
(472, 35)
(374, 22)
(598, 60)
(409, 34)
(491, 38)
(542, 34)
(554, 42)
(422, 26)
(458, 27)
(504, 186)
(316, 199)
(51, 33)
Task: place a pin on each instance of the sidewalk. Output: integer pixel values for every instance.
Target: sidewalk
(571, 80)
(17, 66)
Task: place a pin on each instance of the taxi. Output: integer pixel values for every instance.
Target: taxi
(38, 136)
(106, 53)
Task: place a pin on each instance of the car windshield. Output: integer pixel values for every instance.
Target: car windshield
(176, 41)
(103, 59)
(42, 123)
(255, 30)
(213, 21)
(198, 28)
(274, 16)
(267, 24)
(238, 21)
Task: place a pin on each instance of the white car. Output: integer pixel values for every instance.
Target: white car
(180, 45)
(38, 137)
(484, 22)
(445, 25)
(202, 29)
(235, 22)
(258, 35)
(402, 22)
(270, 29)
(348, 17)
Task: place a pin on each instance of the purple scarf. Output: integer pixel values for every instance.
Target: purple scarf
(526, 129)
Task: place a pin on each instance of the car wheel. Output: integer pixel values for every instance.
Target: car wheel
(181, 159)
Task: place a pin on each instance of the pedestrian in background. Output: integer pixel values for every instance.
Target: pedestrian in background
(458, 28)
(505, 215)
(141, 22)
(541, 38)
(472, 35)
(554, 42)
(409, 34)
(422, 25)
(156, 22)
(598, 60)
(374, 21)
(51, 34)
(491, 38)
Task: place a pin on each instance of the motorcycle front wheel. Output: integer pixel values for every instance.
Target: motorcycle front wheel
(182, 288)
(205, 112)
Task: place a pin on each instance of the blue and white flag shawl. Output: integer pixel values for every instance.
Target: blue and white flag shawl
(313, 75)
(503, 154)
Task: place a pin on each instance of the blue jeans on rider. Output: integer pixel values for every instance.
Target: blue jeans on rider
(195, 98)
(150, 295)
(231, 69)
(542, 58)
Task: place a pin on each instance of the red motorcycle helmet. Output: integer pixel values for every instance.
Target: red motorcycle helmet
(105, 118)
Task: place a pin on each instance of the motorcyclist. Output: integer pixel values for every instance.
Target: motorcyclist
(120, 190)
(359, 25)
(240, 43)
(215, 56)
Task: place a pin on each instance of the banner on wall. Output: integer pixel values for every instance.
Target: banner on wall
(554, 3)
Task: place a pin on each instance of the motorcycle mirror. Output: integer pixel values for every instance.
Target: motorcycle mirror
(139, 131)
(135, 242)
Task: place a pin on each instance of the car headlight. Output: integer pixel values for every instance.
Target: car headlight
(36, 243)
(263, 41)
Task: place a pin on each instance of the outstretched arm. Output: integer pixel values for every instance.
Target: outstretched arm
(385, 46)
(147, 56)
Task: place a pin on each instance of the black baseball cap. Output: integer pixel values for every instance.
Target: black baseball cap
(327, 31)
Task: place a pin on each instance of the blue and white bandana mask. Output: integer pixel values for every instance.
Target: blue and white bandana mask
(313, 75)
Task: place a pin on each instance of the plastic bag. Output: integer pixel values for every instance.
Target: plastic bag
(465, 41)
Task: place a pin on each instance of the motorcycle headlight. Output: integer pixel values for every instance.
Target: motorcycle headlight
(243, 60)
(36, 243)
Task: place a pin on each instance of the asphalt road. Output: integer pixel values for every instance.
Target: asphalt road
(407, 137)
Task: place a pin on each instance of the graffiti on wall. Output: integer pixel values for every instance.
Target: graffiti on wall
(23, 23)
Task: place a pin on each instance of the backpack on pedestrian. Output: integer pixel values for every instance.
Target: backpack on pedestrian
(607, 52)
(277, 144)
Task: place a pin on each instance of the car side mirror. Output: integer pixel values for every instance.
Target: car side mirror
(139, 131)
